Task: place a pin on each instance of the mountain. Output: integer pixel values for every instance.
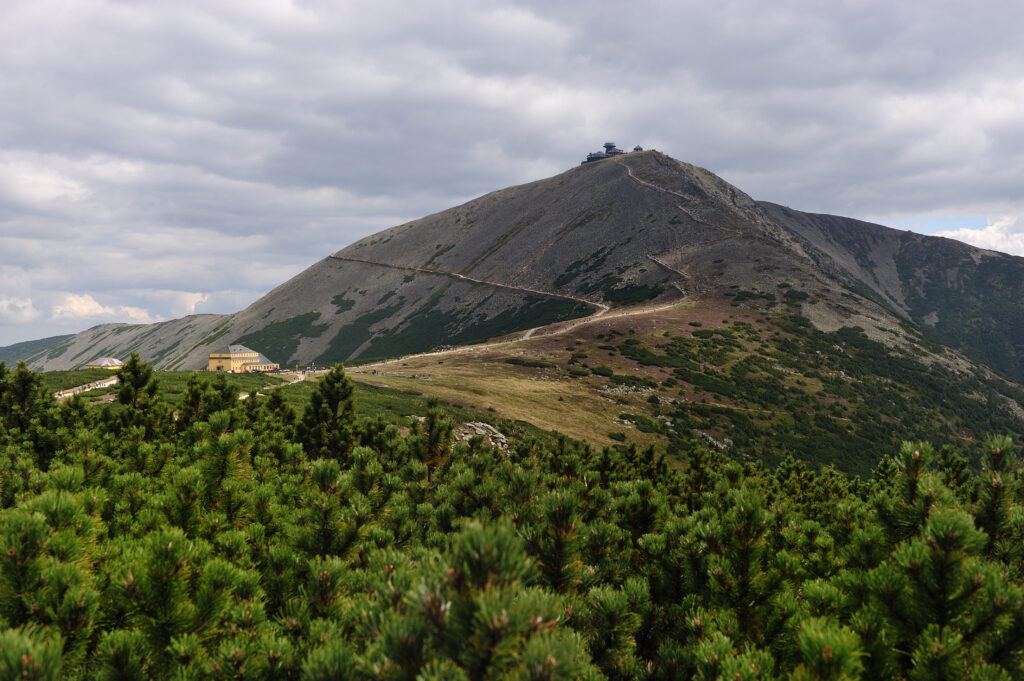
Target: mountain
(965, 297)
(636, 228)
(157, 343)
(19, 351)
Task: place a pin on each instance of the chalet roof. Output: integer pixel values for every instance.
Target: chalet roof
(234, 350)
(105, 362)
(262, 359)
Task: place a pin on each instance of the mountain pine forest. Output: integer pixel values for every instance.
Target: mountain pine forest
(221, 538)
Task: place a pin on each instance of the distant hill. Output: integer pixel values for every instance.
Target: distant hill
(158, 343)
(631, 229)
(12, 354)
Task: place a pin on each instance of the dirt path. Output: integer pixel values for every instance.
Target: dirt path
(629, 171)
(292, 377)
(556, 329)
(86, 387)
(684, 209)
(681, 273)
(456, 275)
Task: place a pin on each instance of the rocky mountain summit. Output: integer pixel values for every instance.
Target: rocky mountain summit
(629, 229)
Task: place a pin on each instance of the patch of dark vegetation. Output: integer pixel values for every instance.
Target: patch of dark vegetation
(633, 381)
(629, 294)
(222, 329)
(532, 363)
(632, 294)
(85, 354)
(830, 398)
(163, 353)
(280, 340)
(752, 295)
(584, 265)
(429, 328)
(21, 350)
(641, 422)
(438, 252)
(351, 336)
(605, 283)
(342, 303)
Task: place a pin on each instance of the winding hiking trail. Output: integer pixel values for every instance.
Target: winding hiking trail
(602, 308)
(555, 329)
(650, 185)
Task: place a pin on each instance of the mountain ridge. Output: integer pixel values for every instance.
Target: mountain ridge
(626, 230)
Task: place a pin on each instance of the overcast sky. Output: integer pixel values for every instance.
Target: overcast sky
(164, 158)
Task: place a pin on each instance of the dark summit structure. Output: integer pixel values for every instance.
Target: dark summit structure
(609, 150)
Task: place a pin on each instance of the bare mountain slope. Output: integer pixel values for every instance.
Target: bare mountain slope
(622, 231)
(968, 298)
(157, 343)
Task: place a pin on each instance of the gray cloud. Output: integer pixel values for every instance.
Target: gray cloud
(158, 159)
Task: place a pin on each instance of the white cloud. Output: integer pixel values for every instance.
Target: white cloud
(136, 314)
(178, 303)
(1006, 234)
(36, 182)
(84, 307)
(17, 310)
(188, 302)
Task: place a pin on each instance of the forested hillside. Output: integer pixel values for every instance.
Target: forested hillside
(229, 539)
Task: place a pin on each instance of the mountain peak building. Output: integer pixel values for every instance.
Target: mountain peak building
(609, 150)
